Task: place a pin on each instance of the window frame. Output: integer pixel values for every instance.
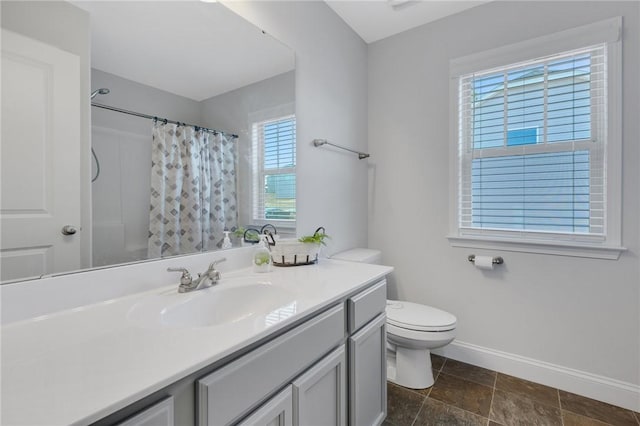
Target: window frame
(259, 172)
(609, 246)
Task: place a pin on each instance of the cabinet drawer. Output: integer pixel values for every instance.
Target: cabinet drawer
(365, 306)
(230, 392)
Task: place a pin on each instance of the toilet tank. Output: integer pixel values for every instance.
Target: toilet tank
(362, 255)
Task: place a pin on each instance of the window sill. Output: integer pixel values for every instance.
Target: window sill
(542, 247)
(286, 229)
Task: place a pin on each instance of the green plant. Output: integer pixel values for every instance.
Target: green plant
(317, 238)
(251, 235)
(239, 232)
(262, 259)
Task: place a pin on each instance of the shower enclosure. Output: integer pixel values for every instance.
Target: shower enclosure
(163, 187)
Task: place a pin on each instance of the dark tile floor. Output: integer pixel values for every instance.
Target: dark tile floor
(464, 394)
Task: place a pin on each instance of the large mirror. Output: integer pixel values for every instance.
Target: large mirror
(147, 147)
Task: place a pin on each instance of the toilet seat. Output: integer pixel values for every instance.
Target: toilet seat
(413, 316)
(412, 338)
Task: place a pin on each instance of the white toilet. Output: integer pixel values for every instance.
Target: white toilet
(412, 331)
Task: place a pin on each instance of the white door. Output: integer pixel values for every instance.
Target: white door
(40, 158)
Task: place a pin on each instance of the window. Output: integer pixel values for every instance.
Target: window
(533, 146)
(274, 170)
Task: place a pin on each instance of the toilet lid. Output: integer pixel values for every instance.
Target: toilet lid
(414, 316)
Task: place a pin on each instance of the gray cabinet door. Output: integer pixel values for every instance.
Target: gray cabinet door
(160, 414)
(319, 395)
(275, 412)
(368, 374)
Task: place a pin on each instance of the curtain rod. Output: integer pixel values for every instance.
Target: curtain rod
(319, 142)
(164, 120)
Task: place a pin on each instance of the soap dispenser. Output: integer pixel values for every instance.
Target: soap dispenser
(226, 243)
(262, 256)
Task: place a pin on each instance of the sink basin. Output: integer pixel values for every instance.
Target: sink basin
(213, 306)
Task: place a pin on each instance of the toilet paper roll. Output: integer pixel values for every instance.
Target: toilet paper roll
(484, 262)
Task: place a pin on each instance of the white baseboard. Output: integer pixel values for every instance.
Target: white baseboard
(615, 392)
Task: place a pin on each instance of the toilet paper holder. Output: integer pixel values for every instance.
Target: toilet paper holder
(496, 260)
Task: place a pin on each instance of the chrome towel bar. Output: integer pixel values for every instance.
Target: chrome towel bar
(319, 142)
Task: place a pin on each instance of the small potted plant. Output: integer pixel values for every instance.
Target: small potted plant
(301, 251)
(317, 237)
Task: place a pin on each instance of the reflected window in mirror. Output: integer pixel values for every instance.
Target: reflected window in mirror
(274, 170)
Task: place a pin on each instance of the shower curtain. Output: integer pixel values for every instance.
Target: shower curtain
(193, 197)
(219, 205)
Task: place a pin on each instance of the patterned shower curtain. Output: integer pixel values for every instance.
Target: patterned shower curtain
(219, 159)
(185, 181)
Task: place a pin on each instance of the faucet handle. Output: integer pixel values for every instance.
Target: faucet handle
(213, 264)
(215, 275)
(185, 279)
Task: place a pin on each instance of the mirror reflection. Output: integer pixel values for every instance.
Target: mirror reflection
(179, 126)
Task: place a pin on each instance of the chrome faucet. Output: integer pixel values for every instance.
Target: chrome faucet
(187, 283)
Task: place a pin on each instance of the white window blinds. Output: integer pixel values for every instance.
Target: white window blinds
(274, 193)
(532, 144)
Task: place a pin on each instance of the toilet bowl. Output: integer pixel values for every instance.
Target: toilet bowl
(413, 330)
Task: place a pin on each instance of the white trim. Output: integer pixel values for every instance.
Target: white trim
(612, 391)
(258, 166)
(271, 113)
(606, 31)
(557, 248)
(613, 219)
(281, 225)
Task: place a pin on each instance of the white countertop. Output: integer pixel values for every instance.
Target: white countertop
(80, 365)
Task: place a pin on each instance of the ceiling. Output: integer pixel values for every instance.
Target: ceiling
(374, 20)
(199, 50)
(188, 48)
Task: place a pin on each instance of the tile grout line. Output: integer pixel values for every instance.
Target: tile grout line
(635, 415)
(457, 408)
(560, 406)
(418, 413)
(588, 416)
(443, 364)
(462, 409)
(460, 376)
(440, 371)
(424, 401)
(493, 393)
(492, 387)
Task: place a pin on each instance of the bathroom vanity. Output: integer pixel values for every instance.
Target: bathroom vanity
(301, 345)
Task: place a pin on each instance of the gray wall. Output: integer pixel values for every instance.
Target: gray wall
(572, 312)
(331, 103)
(65, 26)
(230, 112)
(120, 195)
(133, 96)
